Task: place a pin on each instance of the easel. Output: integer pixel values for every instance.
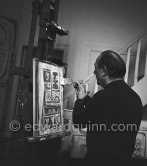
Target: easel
(48, 12)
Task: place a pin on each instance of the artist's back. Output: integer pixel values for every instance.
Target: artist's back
(117, 112)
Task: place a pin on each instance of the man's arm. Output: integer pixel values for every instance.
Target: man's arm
(89, 109)
(80, 110)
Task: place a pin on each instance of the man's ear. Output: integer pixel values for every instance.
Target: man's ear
(104, 71)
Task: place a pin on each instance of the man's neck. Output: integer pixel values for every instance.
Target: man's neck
(112, 80)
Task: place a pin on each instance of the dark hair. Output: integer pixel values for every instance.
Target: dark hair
(113, 63)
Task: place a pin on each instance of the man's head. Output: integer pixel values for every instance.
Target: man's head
(109, 66)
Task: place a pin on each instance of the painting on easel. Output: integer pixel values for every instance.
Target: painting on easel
(47, 98)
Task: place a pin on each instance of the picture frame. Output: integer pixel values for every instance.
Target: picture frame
(47, 99)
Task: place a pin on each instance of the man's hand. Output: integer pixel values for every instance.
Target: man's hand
(81, 92)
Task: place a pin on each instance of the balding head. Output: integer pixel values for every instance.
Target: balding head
(113, 63)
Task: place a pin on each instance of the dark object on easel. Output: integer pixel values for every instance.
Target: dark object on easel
(48, 29)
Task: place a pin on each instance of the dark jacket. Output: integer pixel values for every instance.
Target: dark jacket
(113, 117)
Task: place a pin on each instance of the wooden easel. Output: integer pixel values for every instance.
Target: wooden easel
(48, 14)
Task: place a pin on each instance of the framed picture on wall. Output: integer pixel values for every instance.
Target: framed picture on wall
(140, 145)
(47, 99)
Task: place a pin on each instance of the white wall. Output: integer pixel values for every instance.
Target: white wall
(105, 23)
(98, 25)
